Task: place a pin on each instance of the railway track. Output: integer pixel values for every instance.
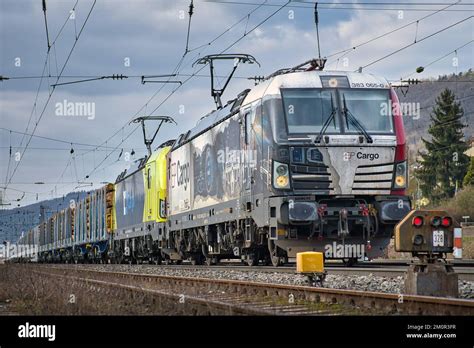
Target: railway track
(382, 269)
(206, 296)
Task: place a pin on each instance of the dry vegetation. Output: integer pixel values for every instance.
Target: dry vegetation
(29, 293)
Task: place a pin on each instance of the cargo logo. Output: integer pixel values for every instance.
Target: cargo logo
(347, 156)
(37, 331)
(341, 251)
(68, 108)
(182, 175)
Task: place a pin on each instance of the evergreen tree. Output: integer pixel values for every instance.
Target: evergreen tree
(469, 178)
(444, 165)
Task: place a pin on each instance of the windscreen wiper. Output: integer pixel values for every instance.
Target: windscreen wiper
(349, 116)
(327, 122)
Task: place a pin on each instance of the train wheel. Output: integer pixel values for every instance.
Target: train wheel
(274, 257)
(156, 259)
(197, 260)
(210, 261)
(251, 259)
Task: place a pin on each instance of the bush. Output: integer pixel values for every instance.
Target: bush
(469, 178)
(460, 205)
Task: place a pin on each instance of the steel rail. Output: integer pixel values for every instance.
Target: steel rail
(368, 300)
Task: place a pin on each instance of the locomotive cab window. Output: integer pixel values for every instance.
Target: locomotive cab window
(307, 110)
(370, 107)
(248, 127)
(148, 178)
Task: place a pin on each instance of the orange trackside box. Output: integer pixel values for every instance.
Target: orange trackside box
(309, 262)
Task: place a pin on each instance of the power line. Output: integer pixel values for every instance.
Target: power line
(51, 93)
(108, 155)
(43, 72)
(247, 16)
(38, 89)
(54, 139)
(192, 75)
(332, 6)
(9, 157)
(175, 70)
(391, 31)
(94, 77)
(107, 77)
(414, 43)
(332, 3)
(409, 3)
(228, 47)
(440, 58)
(49, 183)
(455, 100)
(65, 149)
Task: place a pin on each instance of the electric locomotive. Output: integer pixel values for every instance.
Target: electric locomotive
(307, 160)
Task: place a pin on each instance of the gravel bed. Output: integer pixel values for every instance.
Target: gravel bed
(368, 282)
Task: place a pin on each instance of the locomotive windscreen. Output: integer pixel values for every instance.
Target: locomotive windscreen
(371, 107)
(308, 109)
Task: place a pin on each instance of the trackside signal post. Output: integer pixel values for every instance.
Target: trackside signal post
(428, 235)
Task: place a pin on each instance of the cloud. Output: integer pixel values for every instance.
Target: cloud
(152, 35)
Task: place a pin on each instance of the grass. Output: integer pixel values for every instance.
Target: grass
(33, 294)
(468, 247)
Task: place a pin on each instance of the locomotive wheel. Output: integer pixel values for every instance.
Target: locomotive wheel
(210, 261)
(252, 259)
(275, 261)
(197, 260)
(119, 259)
(274, 257)
(156, 259)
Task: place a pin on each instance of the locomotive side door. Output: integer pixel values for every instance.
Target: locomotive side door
(247, 168)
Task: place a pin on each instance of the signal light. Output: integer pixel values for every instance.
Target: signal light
(446, 221)
(435, 221)
(417, 221)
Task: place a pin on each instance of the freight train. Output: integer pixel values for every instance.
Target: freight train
(306, 160)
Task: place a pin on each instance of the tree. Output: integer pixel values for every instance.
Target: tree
(469, 178)
(444, 164)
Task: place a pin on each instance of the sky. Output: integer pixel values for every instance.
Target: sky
(136, 38)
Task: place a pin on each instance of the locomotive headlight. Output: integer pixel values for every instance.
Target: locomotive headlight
(281, 177)
(282, 181)
(400, 181)
(282, 170)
